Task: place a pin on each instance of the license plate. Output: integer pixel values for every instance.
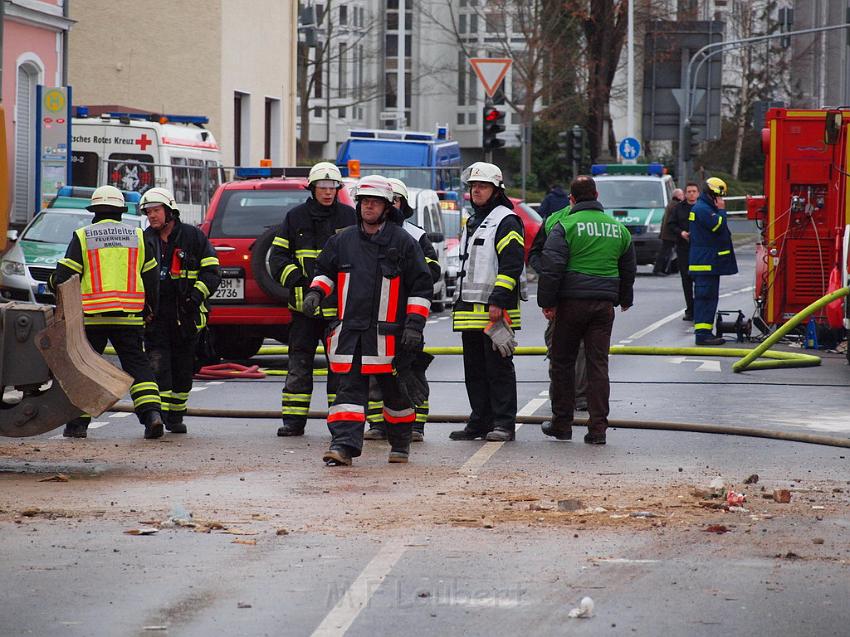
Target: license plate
(230, 290)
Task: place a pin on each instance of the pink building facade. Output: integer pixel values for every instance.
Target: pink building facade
(34, 45)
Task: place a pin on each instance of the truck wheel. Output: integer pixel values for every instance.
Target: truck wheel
(232, 346)
(260, 267)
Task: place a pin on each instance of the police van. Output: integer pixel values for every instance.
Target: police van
(135, 152)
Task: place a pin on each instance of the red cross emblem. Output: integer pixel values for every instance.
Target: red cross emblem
(143, 141)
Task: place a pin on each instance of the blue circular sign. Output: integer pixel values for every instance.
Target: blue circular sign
(629, 148)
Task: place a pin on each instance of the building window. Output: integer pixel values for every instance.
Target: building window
(341, 112)
(272, 131)
(462, 72)
(461, 23)
(391, 46)
(495, 22)
(473, 23)
(343, 14)
(472, 117)
(461, 118)
(343, 70)
(241, 139)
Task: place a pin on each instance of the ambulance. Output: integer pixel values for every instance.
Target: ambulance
(138, 151)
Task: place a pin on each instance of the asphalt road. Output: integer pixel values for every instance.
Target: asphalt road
(467, 539)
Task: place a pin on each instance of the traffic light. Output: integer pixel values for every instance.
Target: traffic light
(577, 143)
(691, 141)
(494, 123)
(564, 147)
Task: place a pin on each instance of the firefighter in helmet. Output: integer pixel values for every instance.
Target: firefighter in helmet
(188, 276)
(711, 256)
(299, 241)
(118, 282)
(384, 287)
(374, 413)
(492, 256)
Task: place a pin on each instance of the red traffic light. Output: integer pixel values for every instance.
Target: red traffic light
(493, 114)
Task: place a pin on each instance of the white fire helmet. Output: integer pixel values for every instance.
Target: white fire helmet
(375, 186)
(158, 196)
(482, 171)
(107, 199)
(399, 188)
(325, 171)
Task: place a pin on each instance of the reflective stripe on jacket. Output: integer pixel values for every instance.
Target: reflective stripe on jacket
(113, 255)
(711, 251)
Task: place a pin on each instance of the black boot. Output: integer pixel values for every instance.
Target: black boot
(594, 438)
(500, 435)
(559, 432)
(377, 431)
(468, 434)
(290, 429)
(418, 434)
(399, 436)
(174, 424)
(337, 457)
(76, 429)
(153, 425)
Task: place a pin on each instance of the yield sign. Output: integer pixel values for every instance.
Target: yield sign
(491, 72)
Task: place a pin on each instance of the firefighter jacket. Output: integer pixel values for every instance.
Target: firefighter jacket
(492, 256)
(711, 251)
(382, 286)
(118, 278)
(299, 242)
(431, 258)
(587, 255)
(188, 275)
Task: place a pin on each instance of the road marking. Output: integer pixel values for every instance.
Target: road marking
(432, 322)
(675, 315)
(705, 364)
(626, 341)
(355, 599)
(337, 622)
(92, 425)
(216, 382)
(197, 389)
(120, 414)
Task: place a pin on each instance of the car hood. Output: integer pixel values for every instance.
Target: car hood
(42, 254)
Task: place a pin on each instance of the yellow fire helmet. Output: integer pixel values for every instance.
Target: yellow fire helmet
(717, 186)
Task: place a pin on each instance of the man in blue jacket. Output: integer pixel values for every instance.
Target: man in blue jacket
(711, 256)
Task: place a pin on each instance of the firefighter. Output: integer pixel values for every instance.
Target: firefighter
(188, 276)
(384, 287)
(711, 256)
(292, 260)
(374, 413)
(492, 258)
(118, 282)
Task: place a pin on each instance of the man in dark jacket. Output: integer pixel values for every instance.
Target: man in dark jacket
(555, 200)
(711, 256)
(678, 226)
(588, 268)
(384, 287)
(668, 240)
(292, 260)
(188, 276)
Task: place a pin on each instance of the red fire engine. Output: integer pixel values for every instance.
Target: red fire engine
(803, 213)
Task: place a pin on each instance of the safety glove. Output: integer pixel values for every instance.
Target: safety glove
(311, 302)
(411, 339)
(502, 335)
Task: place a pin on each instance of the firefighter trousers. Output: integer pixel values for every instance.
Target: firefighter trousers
(375, 410)
(490, 384)
(127, 342)
(172, 358)
(304, 335)
(347, 416)
(706, 294)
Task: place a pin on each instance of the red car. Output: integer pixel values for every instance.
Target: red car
(249, 306)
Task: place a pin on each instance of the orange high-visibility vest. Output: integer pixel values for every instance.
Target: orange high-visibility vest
(113, 255)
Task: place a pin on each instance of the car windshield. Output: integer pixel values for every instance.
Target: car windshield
(50, 226)
(247, 213)
(624, 193)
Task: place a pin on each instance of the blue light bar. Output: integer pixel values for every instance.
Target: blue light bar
(627, 169)
(253, 172)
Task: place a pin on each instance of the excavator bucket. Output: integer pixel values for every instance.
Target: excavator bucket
(48, 371)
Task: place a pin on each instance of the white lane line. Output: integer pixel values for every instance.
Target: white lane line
(355, 599)
(337, 622)
(216, 382)
(675, 315)
(120, 414)
(477, 460)
(444, 318)
(92, 425)
(197, 389)
(432, 322)
(625, 341)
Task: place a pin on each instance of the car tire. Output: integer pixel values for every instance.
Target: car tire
(232, 345)
(260, 267)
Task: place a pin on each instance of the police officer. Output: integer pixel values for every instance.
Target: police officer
(588, 268)
(118, 281)
(374, 412)
(188, 276)
(711, 256)
(384, 287)
(492, 257)
(292, 260)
